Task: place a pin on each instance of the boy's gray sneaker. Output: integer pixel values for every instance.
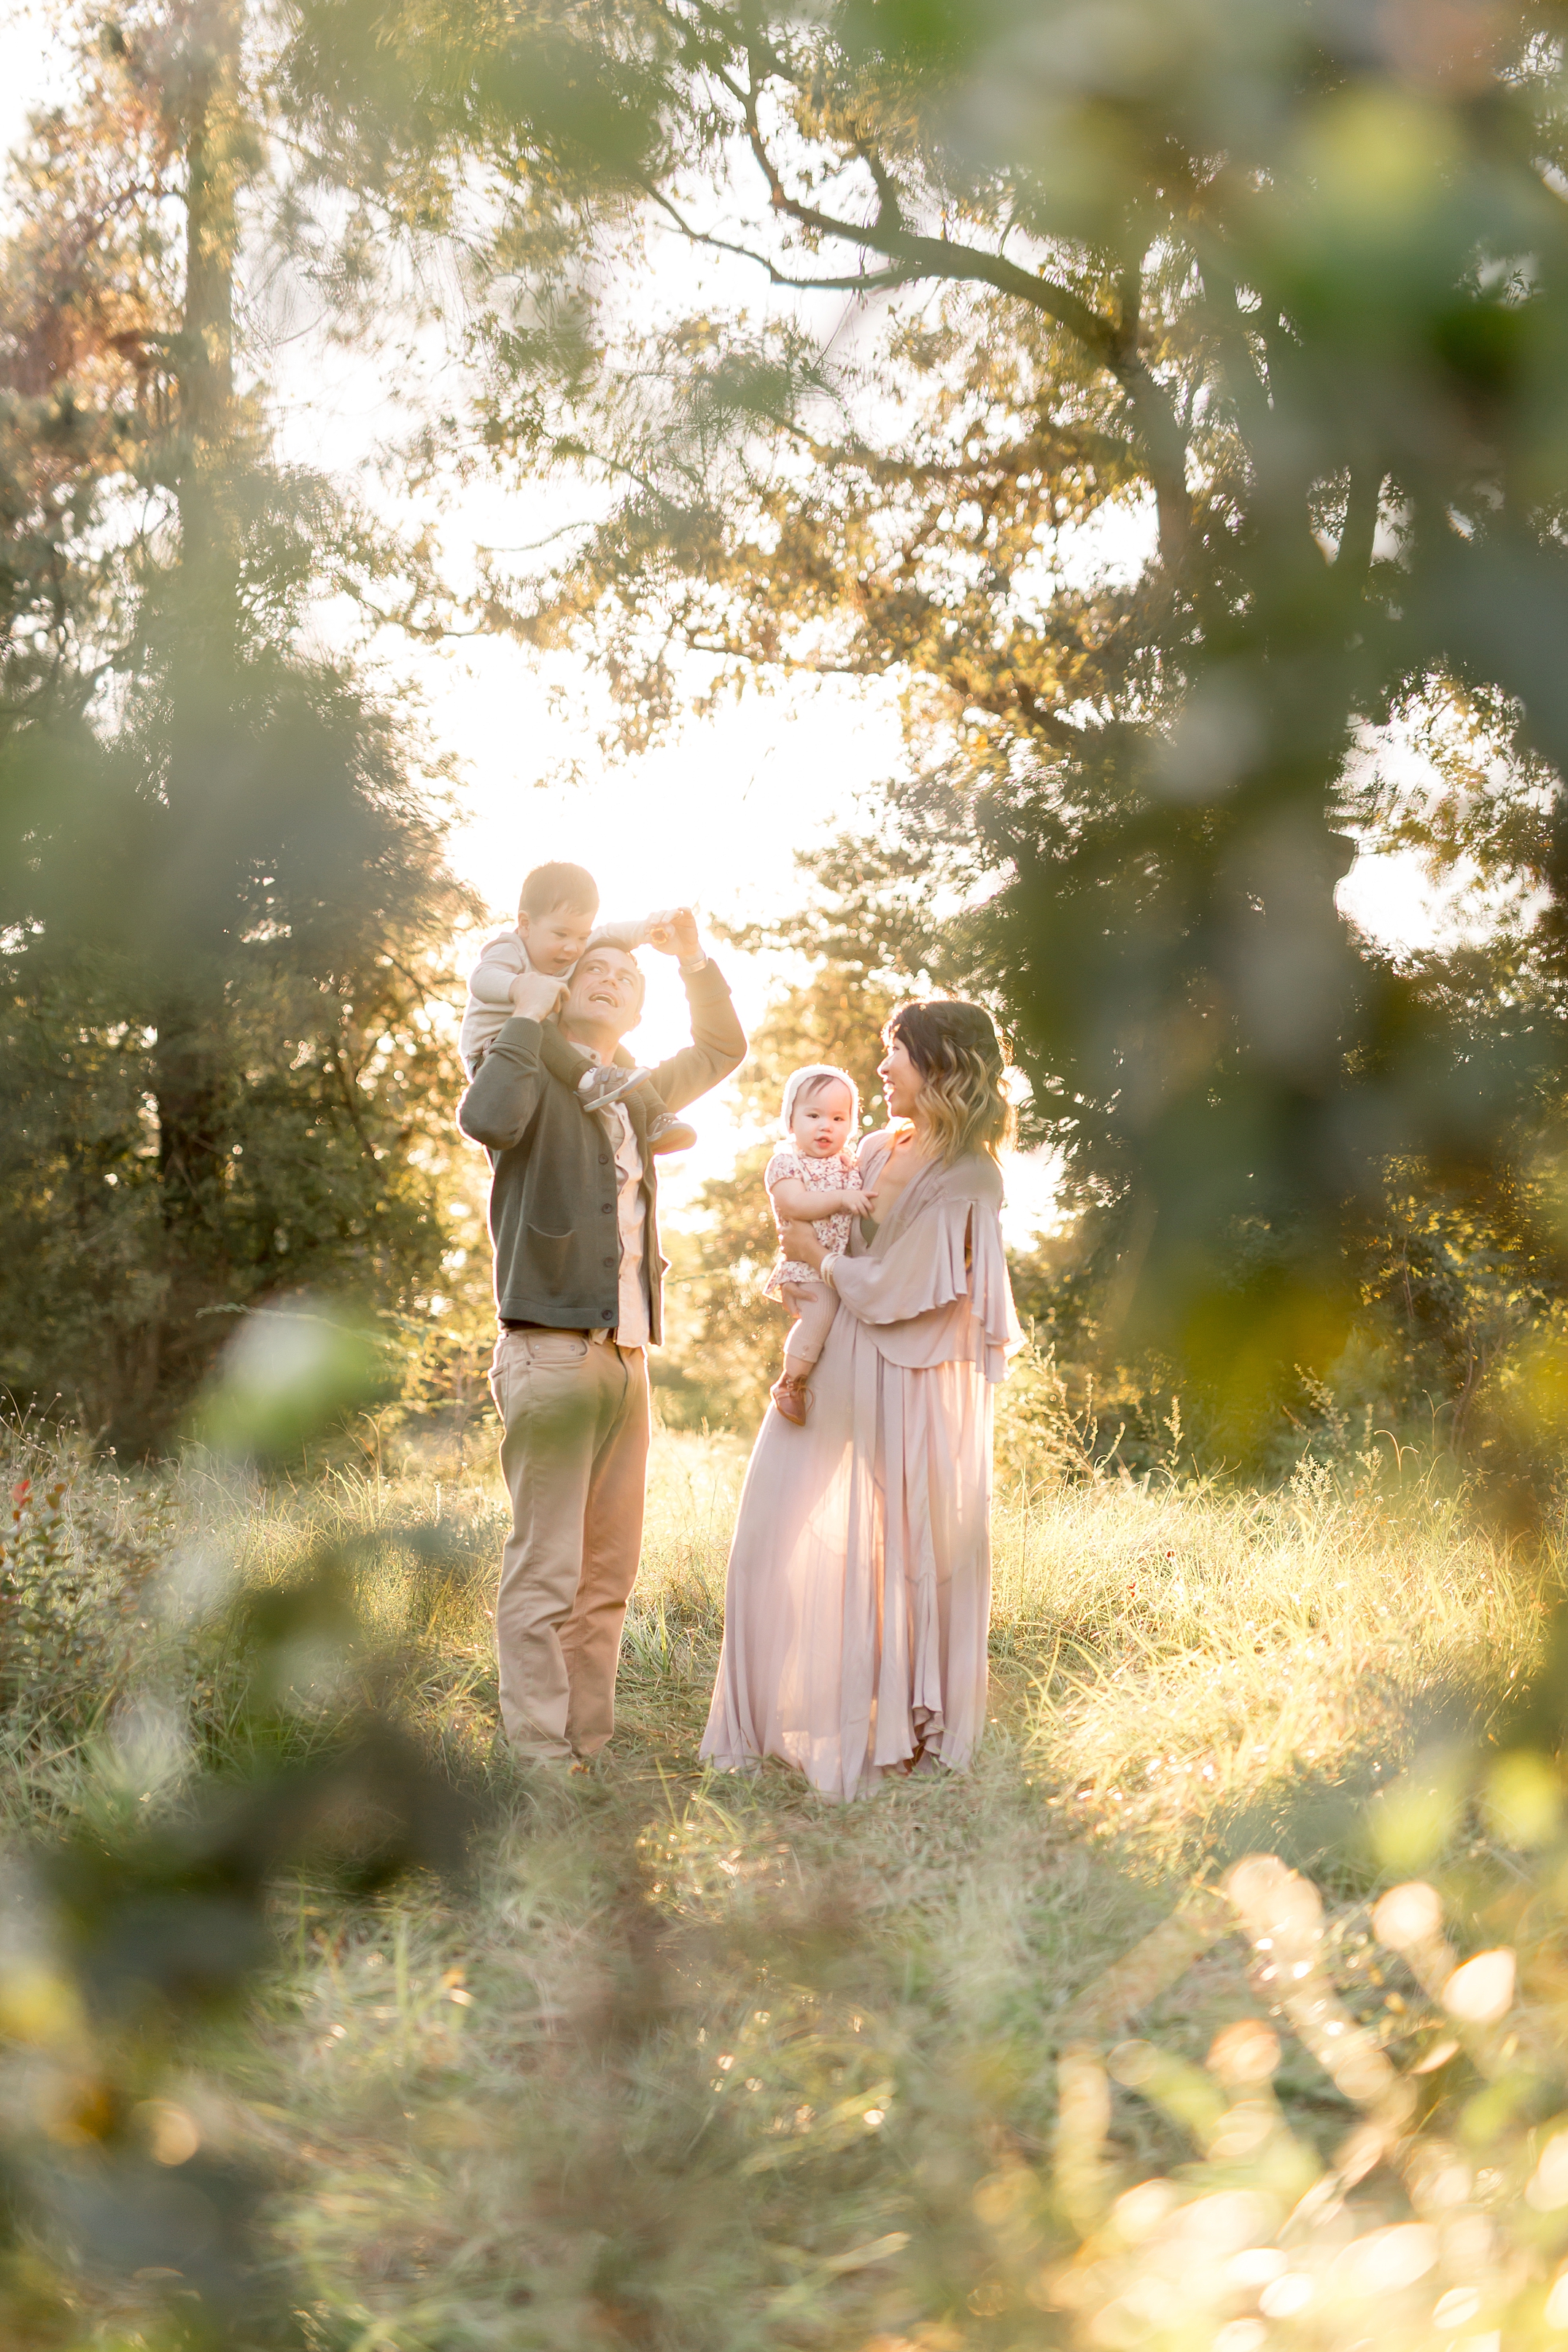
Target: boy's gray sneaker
(668, 1133)
(607, 1085)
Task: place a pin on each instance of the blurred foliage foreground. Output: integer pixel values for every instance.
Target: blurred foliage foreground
(1220, 2006)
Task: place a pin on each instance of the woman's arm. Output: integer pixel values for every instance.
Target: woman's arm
(932, 1263)
(802, 1243)
(941, 1275)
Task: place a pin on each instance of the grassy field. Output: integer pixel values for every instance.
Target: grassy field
(988, 2061)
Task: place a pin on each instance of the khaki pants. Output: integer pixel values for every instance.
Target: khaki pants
(574, 1457)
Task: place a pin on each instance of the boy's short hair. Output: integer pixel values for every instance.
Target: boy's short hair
(558, 885)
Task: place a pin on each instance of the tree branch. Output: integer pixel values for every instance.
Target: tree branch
(1247, 380)
(931, 257)
(1359, 527)
(1163, 440)
(916, 255)
(858, 284)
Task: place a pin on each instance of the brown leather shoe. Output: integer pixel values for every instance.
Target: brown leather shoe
(791, 1399)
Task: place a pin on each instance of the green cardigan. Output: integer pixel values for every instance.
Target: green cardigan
(552, 1189)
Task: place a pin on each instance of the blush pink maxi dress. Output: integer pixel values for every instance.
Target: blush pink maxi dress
(859, 1598)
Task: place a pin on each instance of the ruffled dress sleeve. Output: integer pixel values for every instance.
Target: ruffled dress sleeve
(939, 1291)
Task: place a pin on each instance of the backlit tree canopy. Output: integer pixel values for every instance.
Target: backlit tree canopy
(1168, 398)
(1163, 398)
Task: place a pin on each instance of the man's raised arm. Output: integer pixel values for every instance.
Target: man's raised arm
(718, 1041)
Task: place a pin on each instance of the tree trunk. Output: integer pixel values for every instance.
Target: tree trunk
(205, 92)
(190, 1060)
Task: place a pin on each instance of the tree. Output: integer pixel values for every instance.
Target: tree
(224, 895)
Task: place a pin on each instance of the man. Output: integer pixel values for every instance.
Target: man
(573, 1225)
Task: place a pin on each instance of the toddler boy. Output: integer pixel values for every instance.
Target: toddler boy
(557, 917)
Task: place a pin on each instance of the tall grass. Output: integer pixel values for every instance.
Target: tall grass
(1193, 1653)
(694, 2062)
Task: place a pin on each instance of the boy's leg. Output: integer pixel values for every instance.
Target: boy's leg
(665, 1131)
(555, 1405)
(561, 1057)
(612, 1547)
(611, 1082)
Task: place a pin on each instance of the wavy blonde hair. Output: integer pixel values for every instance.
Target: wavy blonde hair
(956, 1048)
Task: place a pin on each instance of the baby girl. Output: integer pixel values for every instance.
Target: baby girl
(813, 1177)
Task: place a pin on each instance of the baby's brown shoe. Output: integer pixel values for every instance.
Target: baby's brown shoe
(792, 1398)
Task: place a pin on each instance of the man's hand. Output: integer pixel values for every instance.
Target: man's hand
(534, 995)
(802, 1242)
(675, 933)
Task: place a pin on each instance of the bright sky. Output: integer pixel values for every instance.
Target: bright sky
(713, 818)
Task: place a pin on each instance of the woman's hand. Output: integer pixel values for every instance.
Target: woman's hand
(802, 1243)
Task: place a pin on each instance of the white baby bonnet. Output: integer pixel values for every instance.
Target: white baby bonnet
(808, 1076)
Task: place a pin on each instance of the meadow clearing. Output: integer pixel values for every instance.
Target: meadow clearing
(689, 2061)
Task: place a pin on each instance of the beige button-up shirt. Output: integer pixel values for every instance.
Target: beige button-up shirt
(632, 1329)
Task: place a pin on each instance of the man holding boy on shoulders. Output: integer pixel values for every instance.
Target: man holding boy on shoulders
(573, 1223)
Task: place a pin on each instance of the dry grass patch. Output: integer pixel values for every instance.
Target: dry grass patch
(1197, 1652)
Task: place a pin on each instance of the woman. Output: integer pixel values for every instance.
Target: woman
(860, 1589)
